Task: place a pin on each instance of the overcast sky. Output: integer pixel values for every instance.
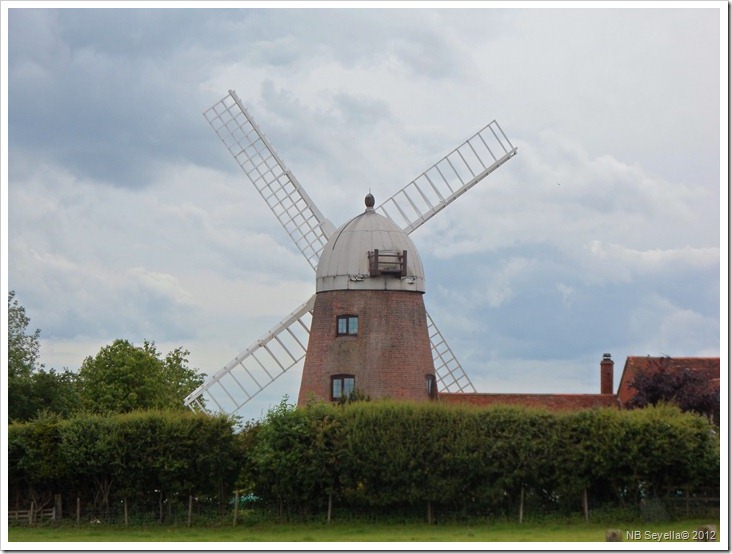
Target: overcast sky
(128, 219)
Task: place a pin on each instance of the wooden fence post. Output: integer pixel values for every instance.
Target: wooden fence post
(78, 510)
(521, 506)
(585, 505)
(236, 507)
(190, 508)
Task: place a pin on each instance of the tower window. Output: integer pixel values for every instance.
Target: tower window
(341, 386)
(431, 386)
(347, 325)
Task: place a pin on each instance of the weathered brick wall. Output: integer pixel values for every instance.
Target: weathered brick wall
(389, 357)
(606, 376)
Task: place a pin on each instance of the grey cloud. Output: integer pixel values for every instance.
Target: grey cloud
(414, 39)
(127, 215)
(515, 303)
(94, 103)
(93, 301)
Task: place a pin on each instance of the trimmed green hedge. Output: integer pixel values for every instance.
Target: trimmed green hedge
(144, 458)
(386, 455)
(369, 457)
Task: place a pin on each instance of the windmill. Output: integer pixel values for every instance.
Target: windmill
(286, 345)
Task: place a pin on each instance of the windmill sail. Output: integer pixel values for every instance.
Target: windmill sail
(450, 375)
(258, 366)
(294, 209)
(285, 346)
(452, 176)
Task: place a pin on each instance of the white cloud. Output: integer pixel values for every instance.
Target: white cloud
(502, 282)
(661, 327)
(615, 262)
(555, 193)
(566, 292)
(570, 376)
(161, 284)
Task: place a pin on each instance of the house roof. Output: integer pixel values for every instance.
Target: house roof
(571, 402)
(633, 364)
(554, 402)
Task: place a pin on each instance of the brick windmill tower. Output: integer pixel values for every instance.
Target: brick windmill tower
(369, 325)
(366, 328)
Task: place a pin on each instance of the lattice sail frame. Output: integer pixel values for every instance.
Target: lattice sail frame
(285, 346)
(294, 209)
(449, 178)
(451, 376)
(258, 366)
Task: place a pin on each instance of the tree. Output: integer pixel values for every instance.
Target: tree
(52, 391)
(32, 389)
(23, 348)
(181, 379)
(123, 377)
(660, 383)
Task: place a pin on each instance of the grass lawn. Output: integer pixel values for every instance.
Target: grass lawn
(360, 532)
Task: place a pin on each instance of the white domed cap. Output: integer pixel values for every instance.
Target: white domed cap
(348, 259)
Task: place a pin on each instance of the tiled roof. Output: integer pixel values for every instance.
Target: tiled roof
(571, 402)
(554, 402)
(633, 364)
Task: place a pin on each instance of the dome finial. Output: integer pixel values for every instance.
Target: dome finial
(370, 201)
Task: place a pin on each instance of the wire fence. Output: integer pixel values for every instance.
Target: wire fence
(206, 512)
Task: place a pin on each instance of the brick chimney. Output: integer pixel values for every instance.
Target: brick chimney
(606, 374)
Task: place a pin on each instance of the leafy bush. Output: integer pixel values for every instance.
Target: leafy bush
(140, 457)
(371, 457)
(398, 455)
